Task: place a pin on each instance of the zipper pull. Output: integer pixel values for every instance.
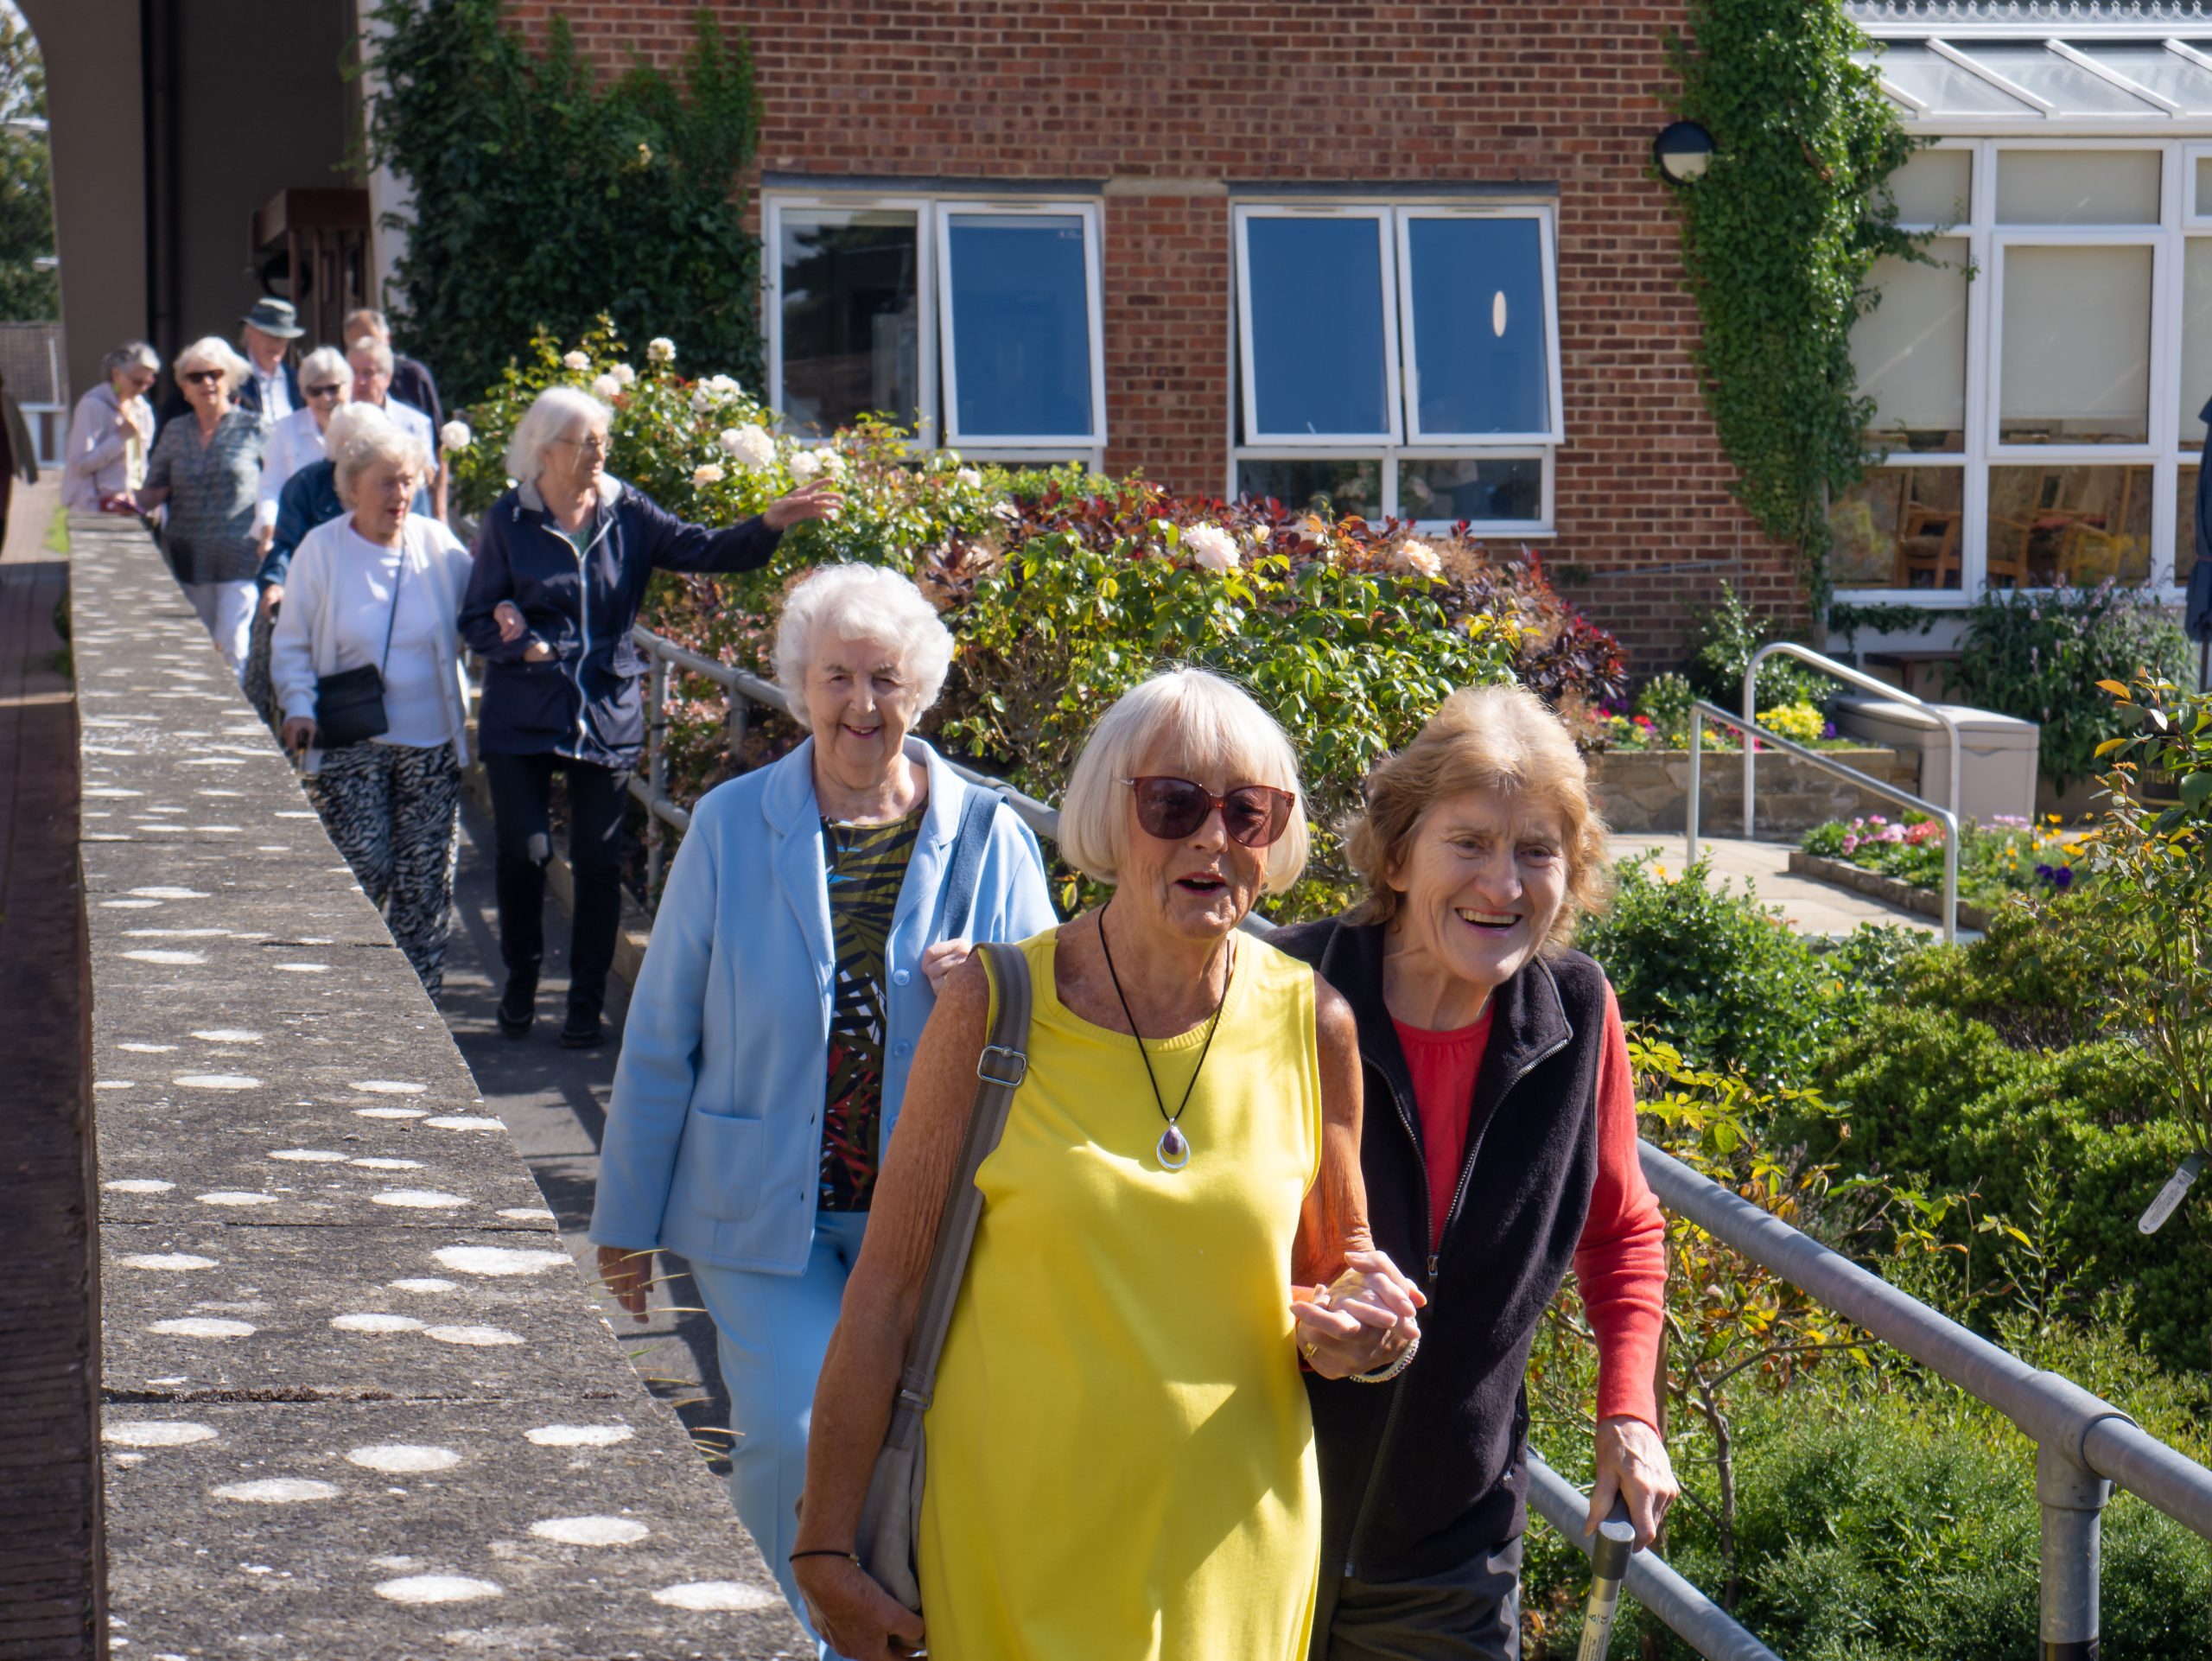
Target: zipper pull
(1432, 1269)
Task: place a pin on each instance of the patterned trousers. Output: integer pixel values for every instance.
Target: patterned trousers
(394, 812)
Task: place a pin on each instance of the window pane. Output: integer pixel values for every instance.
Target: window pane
(1471, 487)
(2077, 352)
(1318, 350)
(1899, 528)
(850, 306)
(2204, 188)
(1934, 188)
(1940, 85)
(2195, 338)
(1480, 346)
(2185, 526)
(1020, 288)
(2051, 527)
(2147, 63)
(1338, 486)
(1910, 351)
(2077, 187)
(2035, 68)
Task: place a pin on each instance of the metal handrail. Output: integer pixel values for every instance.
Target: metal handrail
(1859, 677)
(2084, 1444)
(1749, 731)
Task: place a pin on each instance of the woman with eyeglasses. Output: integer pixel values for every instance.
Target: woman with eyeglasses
(204, 469)
(562, 564)
(1120, 1454)
(297, 440)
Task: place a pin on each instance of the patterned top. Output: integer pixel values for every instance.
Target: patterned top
(209, 534)
(867, 866)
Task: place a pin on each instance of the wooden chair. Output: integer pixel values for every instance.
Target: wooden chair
(1928, 546)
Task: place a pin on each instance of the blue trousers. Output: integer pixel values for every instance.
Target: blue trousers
(772, 1331)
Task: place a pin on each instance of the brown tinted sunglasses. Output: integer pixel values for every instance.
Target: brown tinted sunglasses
(1171, 809)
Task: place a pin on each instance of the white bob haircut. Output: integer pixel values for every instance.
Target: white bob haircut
(131, 354)
(326, 364)
(862, 602)
(214, 352)
(1181, 721)
(559, 413)
(368, 444)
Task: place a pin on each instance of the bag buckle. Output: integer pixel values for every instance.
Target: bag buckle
(1015, 1063)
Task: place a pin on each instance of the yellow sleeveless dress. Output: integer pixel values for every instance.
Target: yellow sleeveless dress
(1120, 1464)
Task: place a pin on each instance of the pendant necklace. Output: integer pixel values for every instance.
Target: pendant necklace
(1173, 1148)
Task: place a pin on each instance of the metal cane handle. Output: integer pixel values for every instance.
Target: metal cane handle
(1608, 1555)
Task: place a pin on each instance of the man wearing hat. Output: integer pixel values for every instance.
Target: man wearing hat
(272, 391)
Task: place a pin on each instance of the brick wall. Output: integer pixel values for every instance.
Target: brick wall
(1173, 92)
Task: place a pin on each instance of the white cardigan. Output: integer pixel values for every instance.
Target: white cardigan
(304, 646)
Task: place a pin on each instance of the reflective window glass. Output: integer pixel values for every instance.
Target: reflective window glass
(2196, 389)
(1314, 292)
(1480, 356)
(1484, 489)
(2035, 68)
(847, 288)
(2078, 188)
(2147, 63)
(1333, 488)
(2068, 526)
(1934, 188)
(2204, 187)
(1899, 528)
(1940, 85)
(2185, 526)
(2075, 346)
(1910, 350)
(1019, 352)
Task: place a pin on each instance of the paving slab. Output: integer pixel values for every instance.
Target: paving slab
(315, 1238)
(1809, 907)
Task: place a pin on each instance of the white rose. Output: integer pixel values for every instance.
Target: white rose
(1211, 548)
(709, 474)
(660, 349)
(1418, 559)
(833, 463)
(969, 477)
(723, 386)
(623, 372)
(606, 389)
(805, 464)
(577, 360)
(750, 444)
(455, 436)
(701, 400)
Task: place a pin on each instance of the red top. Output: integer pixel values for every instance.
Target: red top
(1621, 1260)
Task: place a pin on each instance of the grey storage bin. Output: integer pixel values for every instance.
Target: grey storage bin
(1996, 761)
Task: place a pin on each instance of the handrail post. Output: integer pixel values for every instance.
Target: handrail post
(1751, 744)
(656, 773)
(1951, 874)
(2073, 1498)
(1697, 752)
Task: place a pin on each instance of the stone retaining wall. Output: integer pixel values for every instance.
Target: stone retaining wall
(1649, 789)
(357, 1400)
(1844, 874)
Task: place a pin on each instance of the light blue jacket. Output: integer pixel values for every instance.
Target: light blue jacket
(713, 1133)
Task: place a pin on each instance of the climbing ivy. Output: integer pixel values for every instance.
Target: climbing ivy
(545, 198)
(1779, 237)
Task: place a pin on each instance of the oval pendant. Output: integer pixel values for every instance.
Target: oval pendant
(1174, 1150)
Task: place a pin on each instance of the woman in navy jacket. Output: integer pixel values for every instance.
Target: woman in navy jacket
(561, 568)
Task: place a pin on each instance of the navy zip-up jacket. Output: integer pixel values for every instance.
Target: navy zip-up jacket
(585, 702)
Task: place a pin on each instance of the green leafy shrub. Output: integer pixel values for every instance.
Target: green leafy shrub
(1729, 633)
(2006, 859)
(2039, 656)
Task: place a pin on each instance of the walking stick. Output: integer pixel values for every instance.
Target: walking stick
(1609, 1556)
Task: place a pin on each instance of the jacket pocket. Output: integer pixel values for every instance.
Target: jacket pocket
(528, 697)
(721, 1175)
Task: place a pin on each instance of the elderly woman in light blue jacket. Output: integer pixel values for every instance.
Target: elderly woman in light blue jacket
(813, 908)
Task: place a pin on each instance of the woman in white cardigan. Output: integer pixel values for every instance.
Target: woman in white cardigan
(381, 587)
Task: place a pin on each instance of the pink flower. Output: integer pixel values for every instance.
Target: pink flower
(1850, 843)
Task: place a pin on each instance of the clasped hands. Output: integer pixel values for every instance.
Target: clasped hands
(1364, 1319)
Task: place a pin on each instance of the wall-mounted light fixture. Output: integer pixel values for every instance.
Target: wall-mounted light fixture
(1682, 151)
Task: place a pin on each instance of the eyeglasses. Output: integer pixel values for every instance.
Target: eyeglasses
(595, 444)
(200, 377)
(1171, 809)
(329, 389)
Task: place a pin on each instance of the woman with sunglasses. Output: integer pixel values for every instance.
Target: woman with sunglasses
(1499, 1151)
(1119, 1451)
(297, 440)
(204, 467)
(562, 564)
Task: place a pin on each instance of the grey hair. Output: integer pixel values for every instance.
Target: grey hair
(365, 445)
(214, 352)
(365, 320)
(326, 360)
(349, 422)
(556, 413)
(1180, 718)
(131, 354)
(867, 603)
(378, 352)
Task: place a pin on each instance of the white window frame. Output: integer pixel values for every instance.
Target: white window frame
(934, 369)
(1552, 432)
(1400, 445)
(1987, 243)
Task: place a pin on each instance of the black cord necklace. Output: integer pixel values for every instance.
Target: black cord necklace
(1174, 1148)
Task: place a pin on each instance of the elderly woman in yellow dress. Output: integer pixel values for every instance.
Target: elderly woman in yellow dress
(1120, 1455)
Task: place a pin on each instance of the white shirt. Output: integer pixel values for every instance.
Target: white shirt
(294, 443)
(103, 459)
(276, 392)
(361, 609)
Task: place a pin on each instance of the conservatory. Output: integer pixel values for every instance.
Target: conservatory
(2040, 387)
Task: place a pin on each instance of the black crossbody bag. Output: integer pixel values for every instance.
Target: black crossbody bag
(349, 705)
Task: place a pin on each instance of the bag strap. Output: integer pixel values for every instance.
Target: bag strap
(968, 847)
(998, 1070)
(398, 581)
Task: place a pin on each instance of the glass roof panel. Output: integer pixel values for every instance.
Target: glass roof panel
(2147, 63)
(1940, 85)
(2033, 68)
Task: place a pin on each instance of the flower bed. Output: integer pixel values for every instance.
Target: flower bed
(1997, 860)
(1063, 589)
